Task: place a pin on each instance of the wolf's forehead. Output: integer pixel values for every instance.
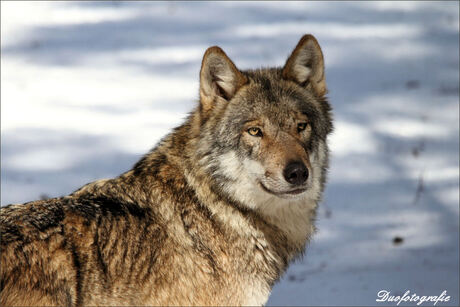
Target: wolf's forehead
(267, 86)
(270, 95)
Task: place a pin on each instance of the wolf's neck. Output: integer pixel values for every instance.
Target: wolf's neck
(294, 218)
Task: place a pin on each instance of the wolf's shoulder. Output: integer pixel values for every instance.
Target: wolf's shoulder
(37, 219)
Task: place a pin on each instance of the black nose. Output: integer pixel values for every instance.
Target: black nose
(296, 173)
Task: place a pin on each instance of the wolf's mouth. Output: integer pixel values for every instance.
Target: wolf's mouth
(292, 192)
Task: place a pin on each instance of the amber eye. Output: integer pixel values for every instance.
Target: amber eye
(254, 131)
(301, 127)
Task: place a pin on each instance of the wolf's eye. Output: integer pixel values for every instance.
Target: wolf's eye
(301, 127)
(254, 131)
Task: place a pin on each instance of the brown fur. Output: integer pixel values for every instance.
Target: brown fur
(168, 232)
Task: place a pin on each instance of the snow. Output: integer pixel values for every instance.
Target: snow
(88, 87)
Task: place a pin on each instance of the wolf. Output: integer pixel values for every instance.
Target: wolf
(213, 215)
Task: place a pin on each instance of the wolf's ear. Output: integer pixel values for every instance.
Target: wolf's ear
(219, 78)
(305, 65)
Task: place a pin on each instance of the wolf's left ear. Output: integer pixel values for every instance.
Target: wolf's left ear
(305, 65)
(219, 78)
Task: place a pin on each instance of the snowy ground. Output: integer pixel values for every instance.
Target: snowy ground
(87, 88)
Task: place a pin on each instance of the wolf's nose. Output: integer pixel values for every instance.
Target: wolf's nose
(296, 173)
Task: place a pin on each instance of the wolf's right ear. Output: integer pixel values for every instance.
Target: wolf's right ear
(305, 65)
(219, 78)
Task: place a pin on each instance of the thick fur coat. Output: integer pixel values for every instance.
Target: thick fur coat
(212, 215)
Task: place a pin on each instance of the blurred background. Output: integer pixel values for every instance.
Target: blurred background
(88, 87)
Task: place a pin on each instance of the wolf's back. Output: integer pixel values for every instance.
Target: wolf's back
(35, 254)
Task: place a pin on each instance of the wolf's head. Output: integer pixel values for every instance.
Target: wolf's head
(263, 132)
